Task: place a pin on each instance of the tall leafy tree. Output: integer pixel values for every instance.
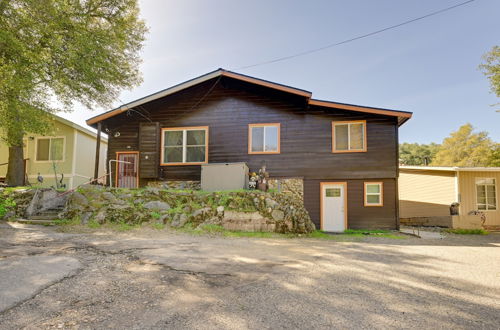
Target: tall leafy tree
(417, 154)
(466, 148)
(54, 53)
(491, 68)
(495, 156)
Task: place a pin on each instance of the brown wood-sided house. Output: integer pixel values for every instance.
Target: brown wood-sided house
(345, 155)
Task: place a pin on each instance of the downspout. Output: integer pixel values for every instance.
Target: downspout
(457, 189)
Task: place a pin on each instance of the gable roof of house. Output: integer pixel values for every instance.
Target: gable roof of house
(402, 116)
(78, 127)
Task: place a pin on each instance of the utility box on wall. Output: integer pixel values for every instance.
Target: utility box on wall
(224, 176)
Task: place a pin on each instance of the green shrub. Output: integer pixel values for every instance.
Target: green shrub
(6, 205)
(155, 215)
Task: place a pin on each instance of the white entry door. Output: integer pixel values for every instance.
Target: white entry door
(333, 206)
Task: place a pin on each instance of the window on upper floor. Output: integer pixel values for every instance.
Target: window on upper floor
(374, 194)
(49, 149)
(184, 145)
(486, 198)
(264, 138)
(349, 136)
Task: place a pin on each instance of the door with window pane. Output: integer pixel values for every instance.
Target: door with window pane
(127, 170)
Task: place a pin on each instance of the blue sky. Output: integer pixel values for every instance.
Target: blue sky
(428, 67)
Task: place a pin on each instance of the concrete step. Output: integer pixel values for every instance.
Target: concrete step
(51, 211)
(36, 222)
(44, 217)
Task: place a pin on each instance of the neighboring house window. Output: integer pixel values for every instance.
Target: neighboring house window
(374, 194)
(349, 136)
(49, 149)
(184, 145)
(486, 197)
(264, 138)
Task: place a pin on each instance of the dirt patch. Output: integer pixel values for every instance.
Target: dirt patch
(158, 279)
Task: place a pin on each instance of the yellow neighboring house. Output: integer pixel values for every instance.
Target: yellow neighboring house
(426, 194)
(68, 152)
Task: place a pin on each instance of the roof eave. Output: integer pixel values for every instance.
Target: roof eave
(193, 82)
(402, 116)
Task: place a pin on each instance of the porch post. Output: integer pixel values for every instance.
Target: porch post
(97, 150)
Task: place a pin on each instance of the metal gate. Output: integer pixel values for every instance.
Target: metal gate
(127, 169)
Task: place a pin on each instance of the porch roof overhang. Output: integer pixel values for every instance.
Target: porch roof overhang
(450, 168)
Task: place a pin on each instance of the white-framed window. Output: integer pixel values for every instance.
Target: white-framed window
(349, 136)
(374, 192)
(48, 149)
(486, 194)
(184, 145)
(264, 138)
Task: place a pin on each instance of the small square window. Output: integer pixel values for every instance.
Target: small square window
(49, 149)
(349, 136)
(264, 138)
(332, 192)
(373, 194)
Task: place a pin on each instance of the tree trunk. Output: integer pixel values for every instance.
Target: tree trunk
(15, 169)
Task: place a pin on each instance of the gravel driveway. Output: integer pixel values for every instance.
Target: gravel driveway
(160, 279)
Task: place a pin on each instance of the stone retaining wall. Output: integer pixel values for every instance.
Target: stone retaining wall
(176, 185)
(294, 186)
(249, 210)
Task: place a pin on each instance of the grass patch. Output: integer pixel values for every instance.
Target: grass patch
(467, 231)
(93, 224)
(122, 226)
(320, 234)
(189, 229)
(365, 232)
(351, 233)
(256, 234)
(158, 226)
(317, 234)
(212, 229)
(67, 222)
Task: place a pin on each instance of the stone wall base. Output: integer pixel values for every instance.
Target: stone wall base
(243, 221)
(467, 222)
(440, 221)
(176, 185)
(294, 186)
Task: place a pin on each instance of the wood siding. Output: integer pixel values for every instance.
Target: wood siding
(426, 193)
(227, 107)
(358, 215)
(467, 186)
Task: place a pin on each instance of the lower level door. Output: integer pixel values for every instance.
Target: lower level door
(127, 170)
(333, 206)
